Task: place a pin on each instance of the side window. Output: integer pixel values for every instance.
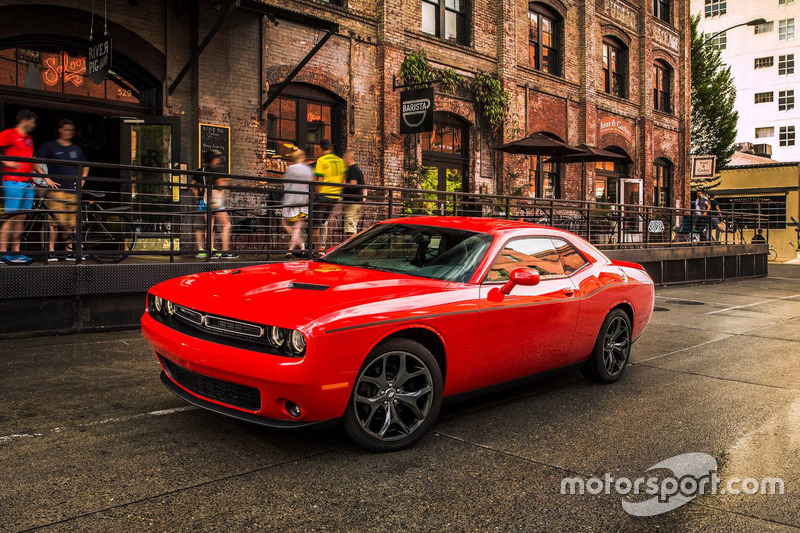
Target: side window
(571, 260)
(535, 252)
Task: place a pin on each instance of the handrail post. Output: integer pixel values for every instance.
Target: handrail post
(79, 215)
(508, 208)
(619, 227)
(589, 222)
(647, 227)
(310, 230)
(209, 219)
(390, 206)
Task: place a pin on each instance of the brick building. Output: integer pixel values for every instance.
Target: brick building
(608, 73)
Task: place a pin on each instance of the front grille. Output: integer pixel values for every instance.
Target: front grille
(234, 326)
(214, 389)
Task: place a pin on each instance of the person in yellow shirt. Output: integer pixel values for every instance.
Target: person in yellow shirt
(329, 174)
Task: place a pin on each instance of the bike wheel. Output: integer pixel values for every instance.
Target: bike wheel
(773, 254)
(109, 237)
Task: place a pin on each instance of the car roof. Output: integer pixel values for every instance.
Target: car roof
(482, 225)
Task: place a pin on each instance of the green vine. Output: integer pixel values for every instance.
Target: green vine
(490, 99)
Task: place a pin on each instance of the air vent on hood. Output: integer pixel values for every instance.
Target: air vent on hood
(308, 286)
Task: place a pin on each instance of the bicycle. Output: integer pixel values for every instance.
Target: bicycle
(772, 255)
(107, 235)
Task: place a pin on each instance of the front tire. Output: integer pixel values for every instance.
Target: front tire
(396, 397)
(612, 350)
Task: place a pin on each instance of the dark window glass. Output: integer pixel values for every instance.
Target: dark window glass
(446, 19)
(614, 68)
(661, 10)
(571, 260)
(662, 88)
(544, 40)
(537, 253)
(547, 186)
(662, 182)
(299, 122)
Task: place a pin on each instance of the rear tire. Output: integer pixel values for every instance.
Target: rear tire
(396, 397)
(612, 350)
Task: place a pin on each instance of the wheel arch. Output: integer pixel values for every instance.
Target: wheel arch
(426, 336)
(626, 306)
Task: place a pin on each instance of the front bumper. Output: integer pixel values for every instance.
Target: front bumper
(312, 382)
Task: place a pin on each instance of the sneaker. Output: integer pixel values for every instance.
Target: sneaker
(9, 258)
(72, 256)
(52, 258)
(229, 255)
(202, 255)
(21, 259)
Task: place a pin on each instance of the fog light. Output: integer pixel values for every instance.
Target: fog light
(159, 303)
(292, 408)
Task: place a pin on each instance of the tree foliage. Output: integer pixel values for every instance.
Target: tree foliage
(714, 117)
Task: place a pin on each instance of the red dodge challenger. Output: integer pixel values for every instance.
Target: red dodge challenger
(384, 327)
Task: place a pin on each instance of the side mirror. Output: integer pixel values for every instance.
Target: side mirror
(527, 277)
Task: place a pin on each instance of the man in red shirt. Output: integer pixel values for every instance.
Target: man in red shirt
(18, 191)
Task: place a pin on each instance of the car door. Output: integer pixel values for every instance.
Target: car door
(531, 329)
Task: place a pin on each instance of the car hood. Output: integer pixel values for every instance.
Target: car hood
(287, 294)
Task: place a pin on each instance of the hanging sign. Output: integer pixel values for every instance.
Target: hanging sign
(704, 166)
(416, 110)
(98, 60)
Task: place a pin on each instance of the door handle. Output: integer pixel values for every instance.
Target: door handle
(568, 291)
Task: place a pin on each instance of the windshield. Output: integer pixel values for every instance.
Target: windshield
(425, 251)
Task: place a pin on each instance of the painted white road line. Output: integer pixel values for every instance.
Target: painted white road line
(734, 307)
(727, 336)
(160, 412)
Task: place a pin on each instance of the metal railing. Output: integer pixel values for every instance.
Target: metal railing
(151, 214)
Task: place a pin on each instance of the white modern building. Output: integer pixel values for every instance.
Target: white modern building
(764, 63)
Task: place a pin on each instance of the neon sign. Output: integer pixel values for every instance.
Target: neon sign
(71, 69)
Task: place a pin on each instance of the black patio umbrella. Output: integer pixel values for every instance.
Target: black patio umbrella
(589, 154)
(539, 144)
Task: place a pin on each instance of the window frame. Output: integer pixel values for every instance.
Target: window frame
(763, 62)
(441, 20)
(766, 98)
(709, 10)
(662, 100)
(485, 280)
(557, 52)
(303, 96)
(537, 185)
(662, 10)
(766, 27)
(783, 136)
(771, 130)
(786, 100)
(621, 51)
(786, 60)
(783, 28)
(666, 185)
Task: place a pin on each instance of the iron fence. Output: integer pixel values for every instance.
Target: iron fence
(156, 214)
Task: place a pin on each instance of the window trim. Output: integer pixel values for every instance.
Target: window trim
(304, 94)
(542, 10)
(658, 95)
(669, 167)
(441, 15)
(586, 262)
(664, 15)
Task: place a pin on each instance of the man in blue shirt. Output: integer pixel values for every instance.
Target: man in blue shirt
(63, 200)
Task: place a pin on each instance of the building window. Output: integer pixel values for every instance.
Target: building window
(303, 121)
(786, 30)
(720, 41)
(662, 87)
(446, 19)
(544, 181)
(544, 40)
(661, 10)
(773, 207)
(785, 2)
(662, 182)
(614, 67)
(786, 65)
(786, 136)
(785, 100)
(764, 28)
(764, 62)
(767, 131)
(715, 8)
(764, 98)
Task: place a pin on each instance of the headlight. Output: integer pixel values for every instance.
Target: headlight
(277, 336)
(170, 308)
(159, 303)
(298, 342)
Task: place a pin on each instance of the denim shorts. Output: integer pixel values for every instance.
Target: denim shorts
(17, 196)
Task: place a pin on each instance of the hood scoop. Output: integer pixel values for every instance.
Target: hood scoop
(308, 286)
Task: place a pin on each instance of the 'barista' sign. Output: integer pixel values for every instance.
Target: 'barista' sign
(616, 125)
(98, 60)
(416, 110)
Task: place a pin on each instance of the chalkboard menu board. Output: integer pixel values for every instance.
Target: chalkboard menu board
(213, 137)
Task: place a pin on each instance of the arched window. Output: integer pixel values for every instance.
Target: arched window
(445, 152)
(662, 87)
(303, 115)
(662, 182)
(545, 177)
(615, 67)
(544, 39)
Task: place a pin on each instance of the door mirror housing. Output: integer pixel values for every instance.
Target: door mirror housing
(527, 277)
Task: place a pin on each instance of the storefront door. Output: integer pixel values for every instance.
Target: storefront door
(631, 196)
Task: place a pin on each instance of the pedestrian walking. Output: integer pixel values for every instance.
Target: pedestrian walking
(701, 207)
(212, 160)
(354, 194)
(329, 173)
(295, 199)
(62, 199)
(716, 216)
(18, 191)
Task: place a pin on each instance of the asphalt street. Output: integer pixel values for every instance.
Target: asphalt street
(90, 440)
